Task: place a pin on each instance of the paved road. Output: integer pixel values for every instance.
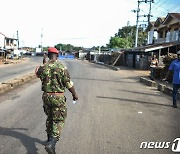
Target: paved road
(114, 114)
(11, 71)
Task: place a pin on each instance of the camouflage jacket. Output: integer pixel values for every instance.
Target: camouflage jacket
(54, 77)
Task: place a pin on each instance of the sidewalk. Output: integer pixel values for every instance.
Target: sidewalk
(13, 61)
(144, 78)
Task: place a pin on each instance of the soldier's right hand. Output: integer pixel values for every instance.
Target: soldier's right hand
(75, 97)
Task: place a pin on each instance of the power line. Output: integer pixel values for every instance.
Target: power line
(173, 8)
(155, 3)
(165, 13)
(159, 5)
(169, 10)
(154, 7)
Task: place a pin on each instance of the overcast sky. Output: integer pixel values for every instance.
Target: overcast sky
(84, 23)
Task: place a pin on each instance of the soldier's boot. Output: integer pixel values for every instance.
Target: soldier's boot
(50, 146)
(48, 137)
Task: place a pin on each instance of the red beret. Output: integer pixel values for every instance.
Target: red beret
(53, 50)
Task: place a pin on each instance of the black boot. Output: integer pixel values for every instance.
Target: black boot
(48, 137)
(50, 146)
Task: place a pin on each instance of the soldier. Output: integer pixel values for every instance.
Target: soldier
(55, 78)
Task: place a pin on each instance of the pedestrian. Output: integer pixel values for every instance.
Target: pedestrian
(55, 79)
(153, 66)
(175, 69)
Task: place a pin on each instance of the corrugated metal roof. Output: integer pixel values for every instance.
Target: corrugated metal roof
(153, 47)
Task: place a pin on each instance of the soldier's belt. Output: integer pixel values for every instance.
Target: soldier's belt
(55, 93)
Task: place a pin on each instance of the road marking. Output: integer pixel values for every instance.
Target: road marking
(140, 112)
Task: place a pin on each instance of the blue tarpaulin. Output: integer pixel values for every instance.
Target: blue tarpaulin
(66, 57)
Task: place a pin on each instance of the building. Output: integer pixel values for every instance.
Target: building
(7, 45)
(163, 39)
(2, 45)
(167, 29)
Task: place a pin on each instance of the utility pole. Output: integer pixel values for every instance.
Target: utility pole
(99, 50)
(42, 40)
(137, 20)
(149, 15)
(18, 38)
(128, 23)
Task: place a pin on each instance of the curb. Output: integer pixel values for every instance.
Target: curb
(109, 66)
(148, 82)
(112, 67)
(161, 87)
(10, 84)
(4, 88)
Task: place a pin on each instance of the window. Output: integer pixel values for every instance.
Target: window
(166, 33)
(175, 29)
(161, 34)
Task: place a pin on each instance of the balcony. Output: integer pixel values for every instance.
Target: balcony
(170, 37)
(10, 46)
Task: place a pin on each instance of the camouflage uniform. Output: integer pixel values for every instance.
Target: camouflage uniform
(55, 78)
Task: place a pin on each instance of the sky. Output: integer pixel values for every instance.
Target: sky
(83, 23)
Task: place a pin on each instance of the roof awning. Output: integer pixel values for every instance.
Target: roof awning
(154, 48)
(150, 48)
(160, 47)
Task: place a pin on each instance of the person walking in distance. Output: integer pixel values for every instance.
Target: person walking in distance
(175, 69)
(153, 65)
(55, 79)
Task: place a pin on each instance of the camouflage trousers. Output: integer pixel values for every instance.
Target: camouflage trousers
(56, 111)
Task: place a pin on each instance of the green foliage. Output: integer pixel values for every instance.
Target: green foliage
(127, 31)
(125, 38)
(45, 48)
(117, 42)
(67, 47)
(142, 37)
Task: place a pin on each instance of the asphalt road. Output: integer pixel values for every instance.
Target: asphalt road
(10, 71)
(114, 114)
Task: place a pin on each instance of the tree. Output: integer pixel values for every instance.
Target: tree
(118, 42)
(67, 47)
(45, 48)
(127, 31)
(125, 38)
(142, 37)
